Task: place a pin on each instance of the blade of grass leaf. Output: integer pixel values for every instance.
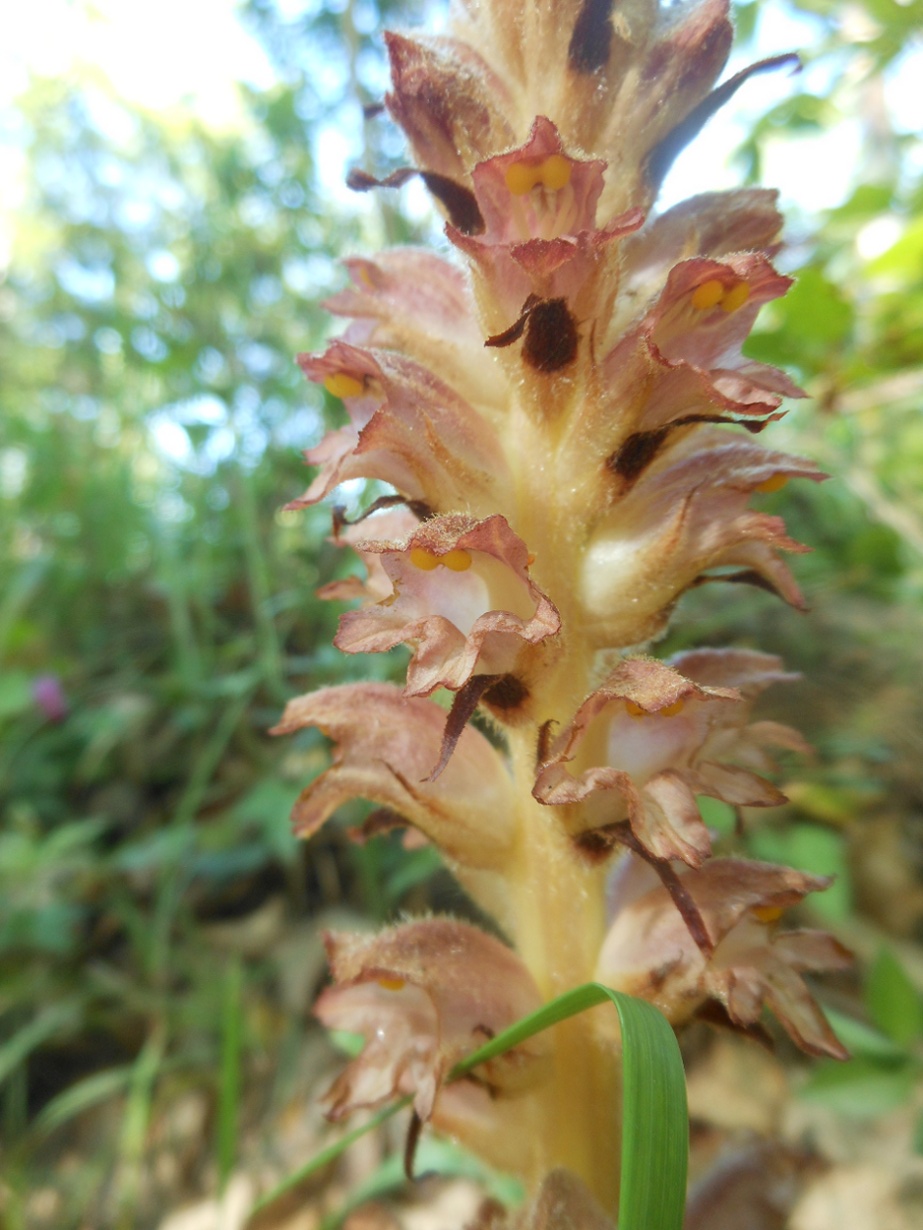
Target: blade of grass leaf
(330, 1154)
(77, 1098)
(229, 1088)
(655, 1142)
(54, 1019)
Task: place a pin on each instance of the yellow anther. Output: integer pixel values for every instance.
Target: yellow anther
(457, 560)
(635, 710)
(554, 172)
(392, 984)
(521, 178)
(424, 560)
(708, 295)
(767, 913)
(339, 384)
(735, 298)
(776, 483)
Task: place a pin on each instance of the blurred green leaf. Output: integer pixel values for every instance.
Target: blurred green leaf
(863, 1041)
(894, 1003)
(50, 1022)
(820, 851)
(15, 693)
(861, 1088)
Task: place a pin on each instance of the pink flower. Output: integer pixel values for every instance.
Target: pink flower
(407, 428)
(425, 994)
(386, 746)
(413, 302)
(540, 235)
(645, 743)
(687, 516)
(650, 952)
(48, 694)
(463, 600)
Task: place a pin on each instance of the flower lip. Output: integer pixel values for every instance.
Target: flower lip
(649, 951)
(424, 994)
(656, 738)
(462, 598)
(386, 755)
(537, 191)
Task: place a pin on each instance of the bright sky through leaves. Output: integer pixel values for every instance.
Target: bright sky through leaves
(175, 53)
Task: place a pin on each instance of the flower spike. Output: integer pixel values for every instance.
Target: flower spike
(563, 432)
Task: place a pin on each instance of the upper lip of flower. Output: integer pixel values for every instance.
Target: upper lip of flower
(648, 949)
(462, 598)
(425, 993)
(386, 755)
(673, 726)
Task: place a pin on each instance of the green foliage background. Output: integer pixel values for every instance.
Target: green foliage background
(163, 276)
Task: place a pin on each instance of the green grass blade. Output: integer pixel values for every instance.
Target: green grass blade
(81, 1096)
(330, 1154)
(229, 1083)
(54, 1019)
(655, 1134)
(655, 1142)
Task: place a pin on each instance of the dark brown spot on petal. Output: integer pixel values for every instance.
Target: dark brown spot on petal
(596, 844)
(633, 457)
(591, 40)
(459, 201)
(551, 336)
(636, 454)
(550, 332)
(507, 693)
(371, 111)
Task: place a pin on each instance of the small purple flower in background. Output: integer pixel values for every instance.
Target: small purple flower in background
(48, 694)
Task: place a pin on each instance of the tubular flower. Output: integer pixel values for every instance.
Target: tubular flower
(643, 745)
(424, 994)
(566, 421)
(408, 429)
(462, 598)
(648, 950)
(386, 758)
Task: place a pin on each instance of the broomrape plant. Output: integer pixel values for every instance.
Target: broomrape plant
(569, 425)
